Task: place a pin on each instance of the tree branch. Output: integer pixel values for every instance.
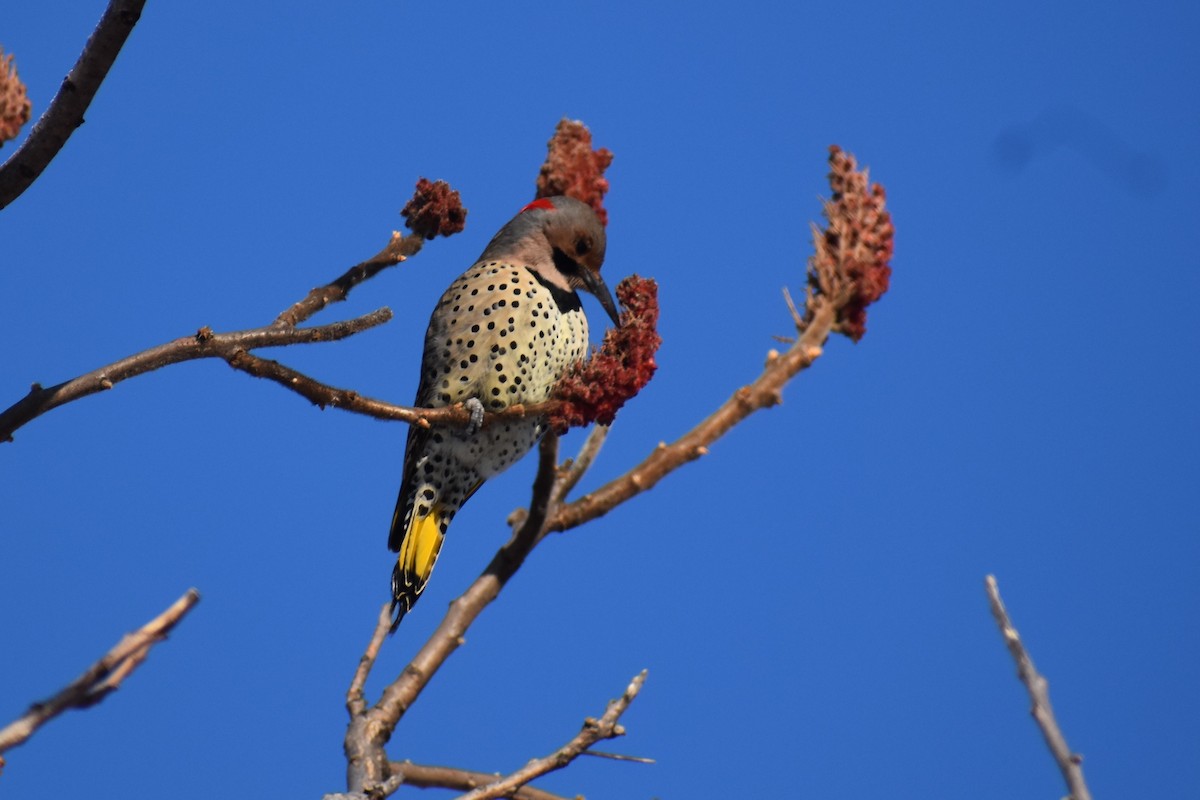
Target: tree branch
(203, 344)
(1069, 763)
(234, 348)
(326, 396)
(65, 112)
(423, 776)
(101, 678)
(607, 727)
(400, 248)
(434, 210)
(574, 469)
(355, 701)
(366, 763)
(764, 392)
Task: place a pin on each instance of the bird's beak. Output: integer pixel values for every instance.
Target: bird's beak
(595, 284)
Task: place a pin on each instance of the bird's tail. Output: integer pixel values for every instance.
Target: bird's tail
(418, 547)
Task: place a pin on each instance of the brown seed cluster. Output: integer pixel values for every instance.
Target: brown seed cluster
(435, 209)
(593, 391)
(854, 249)
(574, 169)
(14, 102)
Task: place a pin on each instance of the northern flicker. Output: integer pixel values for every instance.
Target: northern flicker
(503, 333)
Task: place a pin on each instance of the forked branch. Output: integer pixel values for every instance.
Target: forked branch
(103, 677)
(423, 776)
(434, 210)
(203, 344)
(594, 730)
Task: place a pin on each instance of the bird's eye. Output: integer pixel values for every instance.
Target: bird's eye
(582, 247)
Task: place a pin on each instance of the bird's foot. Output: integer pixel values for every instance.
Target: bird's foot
(476, 408)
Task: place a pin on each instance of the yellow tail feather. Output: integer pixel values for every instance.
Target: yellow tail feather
(421, 544)
(418, 553)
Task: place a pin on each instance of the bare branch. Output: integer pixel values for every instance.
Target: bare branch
(607, 727)
(574, 469)
(203, 344)
(355, 702)
(65, 112)
(423, 776)
(102, 677)
(398, 249)
(764, 392)
(326, 396)
(366, 763)
(434, 210)
(1069, 763)
(619, 757)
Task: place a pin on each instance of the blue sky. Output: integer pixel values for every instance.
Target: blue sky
(808, 599)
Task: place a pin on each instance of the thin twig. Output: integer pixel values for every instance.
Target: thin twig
(607, 727)
(578, 466)
(1069, 763)
(797, 318)
(433, 777)
(101, 678)
(398, 249)
(618, 757)
(66, 110)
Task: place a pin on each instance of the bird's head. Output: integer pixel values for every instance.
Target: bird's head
(562, 240)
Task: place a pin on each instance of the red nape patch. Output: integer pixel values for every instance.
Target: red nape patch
(541, 202)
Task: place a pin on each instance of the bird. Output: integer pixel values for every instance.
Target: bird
(503, 333)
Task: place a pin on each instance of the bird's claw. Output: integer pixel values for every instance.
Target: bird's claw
(476, 408)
